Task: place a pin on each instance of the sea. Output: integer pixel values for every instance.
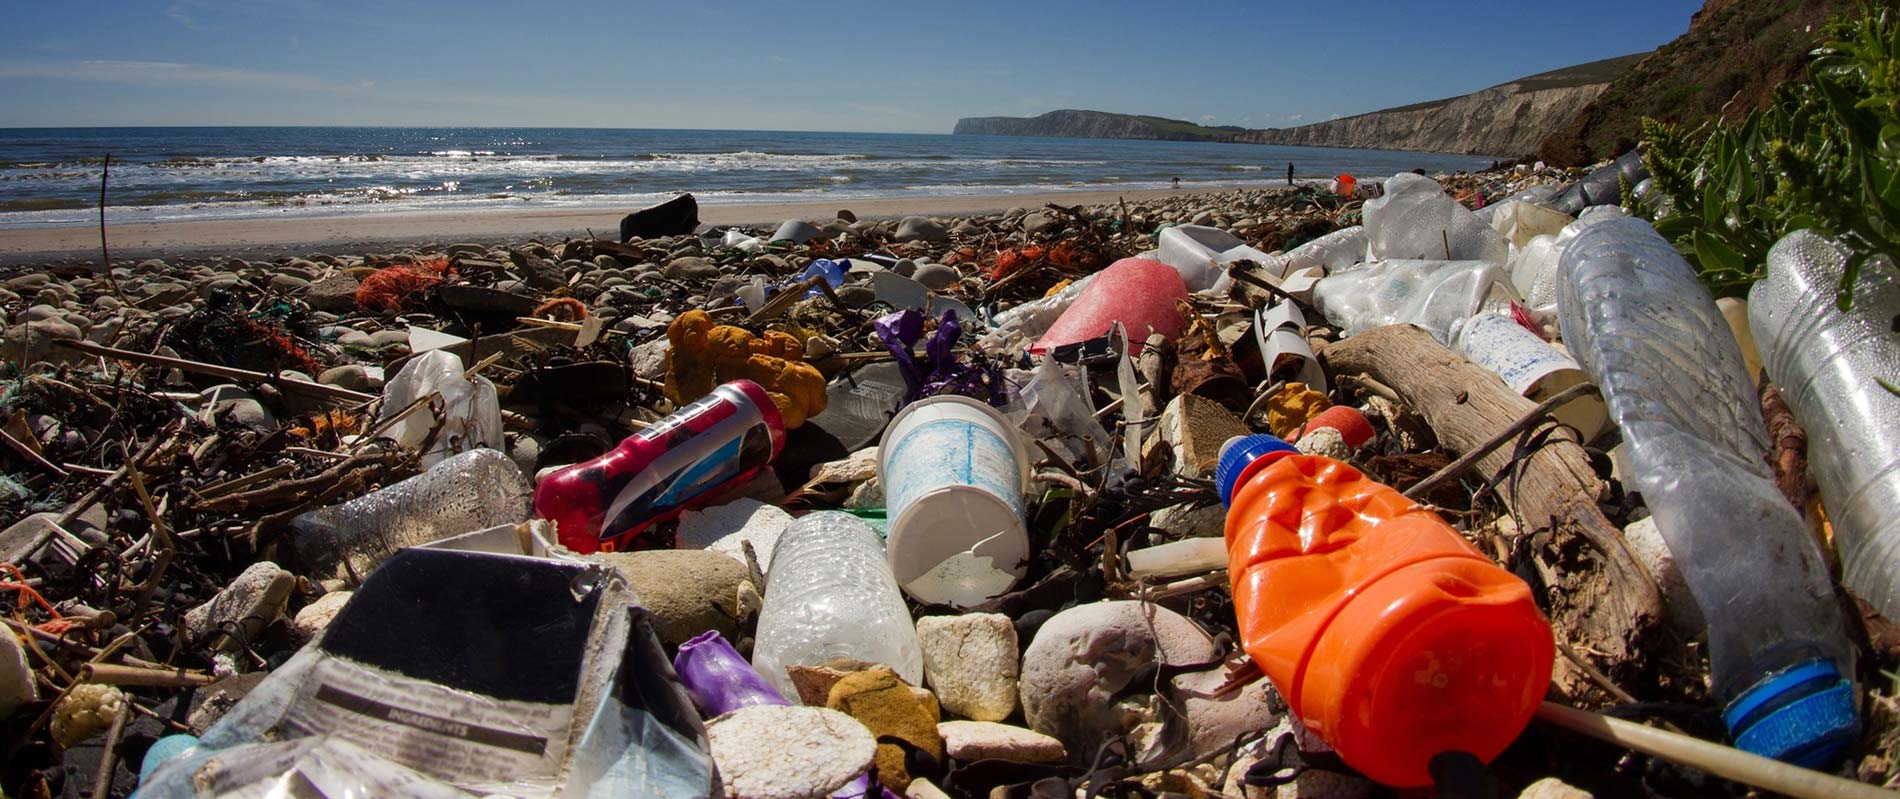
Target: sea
(50, 177)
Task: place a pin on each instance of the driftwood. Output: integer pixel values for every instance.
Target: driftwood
(1602, 601)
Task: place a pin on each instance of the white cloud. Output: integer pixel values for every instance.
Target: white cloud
(1335, 116)
(172, 74)
(1295, 117)
(1207, 117)
(181, 14)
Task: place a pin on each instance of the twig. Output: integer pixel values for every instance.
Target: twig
(1529, 420)
(168, 547)
(28, 453)
(109, 759)
(105, 255)
(292, 386)
(116, 674)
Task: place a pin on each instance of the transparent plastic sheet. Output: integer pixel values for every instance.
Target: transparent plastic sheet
(591, 708)
(471, 412)
(1520, 221)
(1652, 340)
(471, 491)
(1059, 414)
(1416, 220)
(1336, 251)
(1827, 364)
(1435, 295)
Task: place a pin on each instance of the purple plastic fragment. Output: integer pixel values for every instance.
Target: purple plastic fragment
(719, 679)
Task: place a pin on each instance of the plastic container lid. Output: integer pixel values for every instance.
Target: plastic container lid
(1237, 454)
(1805, 715)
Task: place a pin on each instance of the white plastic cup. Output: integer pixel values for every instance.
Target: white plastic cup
(954, 471)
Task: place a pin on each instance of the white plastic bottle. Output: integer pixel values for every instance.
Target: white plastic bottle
(831, 595)
(1828, 365)
(1653, 341)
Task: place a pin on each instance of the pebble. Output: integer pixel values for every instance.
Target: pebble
(688, 591)
(917, 228)
(986, 740)
(1088, 653)
(288, 284)
(247, 605)
(936, 277)
(33, 342)
(310, 622)
(692, 270)
(1039, 223)
(353, 376)
(727, 528)
(970, 662)
(238, 404)
(781, 752)
(335, 294)
(1553, 788)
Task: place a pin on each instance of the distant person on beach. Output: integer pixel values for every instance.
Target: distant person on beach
(1289, 173)
(1177, 183)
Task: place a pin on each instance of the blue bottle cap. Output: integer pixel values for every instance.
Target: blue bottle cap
(1805, 715)
(1236, 455)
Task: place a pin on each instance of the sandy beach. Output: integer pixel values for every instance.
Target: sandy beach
(303, 235)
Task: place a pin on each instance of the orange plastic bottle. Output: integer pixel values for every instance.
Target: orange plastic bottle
(1386, 633)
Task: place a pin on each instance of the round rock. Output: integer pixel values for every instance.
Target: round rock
(1084, 656)
(688, 591)
(936, 277)
(780, 752)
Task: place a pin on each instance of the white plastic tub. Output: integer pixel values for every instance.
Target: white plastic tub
(954, 471)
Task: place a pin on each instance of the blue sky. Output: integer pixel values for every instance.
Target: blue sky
(843, 65)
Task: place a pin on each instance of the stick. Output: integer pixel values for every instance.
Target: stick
(293, 386)
(28, 453)
(115, 674)
(1517, 428)
(1722, 761)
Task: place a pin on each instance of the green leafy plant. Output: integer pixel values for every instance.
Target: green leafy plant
(1823, 155)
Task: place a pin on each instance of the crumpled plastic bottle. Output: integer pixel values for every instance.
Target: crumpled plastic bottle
(471, 491)
(1652, 340)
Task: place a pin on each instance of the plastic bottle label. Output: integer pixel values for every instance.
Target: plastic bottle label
(950, 452)
(1513, 353)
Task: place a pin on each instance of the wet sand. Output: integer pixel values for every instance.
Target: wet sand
(304, 235)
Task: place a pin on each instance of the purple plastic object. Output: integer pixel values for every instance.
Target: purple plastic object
(722, 682)
(1136, 292)
(719, 679)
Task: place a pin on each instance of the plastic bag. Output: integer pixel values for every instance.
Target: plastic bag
(1416, 220)
(1438, 296)
(471, 414)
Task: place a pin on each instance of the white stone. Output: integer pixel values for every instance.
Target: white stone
(311, 621)
(783, 752)
(986, 740)
(970, 662)
(726, 529)
(1553, 788)
(1084, 656)
(246, 606)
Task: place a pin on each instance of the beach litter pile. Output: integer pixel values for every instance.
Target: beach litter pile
(1460, 486)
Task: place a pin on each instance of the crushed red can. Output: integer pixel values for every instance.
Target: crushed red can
(723, 439)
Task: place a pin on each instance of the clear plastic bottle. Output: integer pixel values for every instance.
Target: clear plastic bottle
(1653, 341)
(475, 490)
(831, 595)
(1827, 364)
